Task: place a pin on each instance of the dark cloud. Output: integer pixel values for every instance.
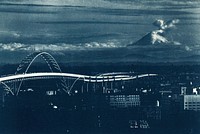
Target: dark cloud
(87, 22)
(25, 10)
(37, 5)
(139, 12)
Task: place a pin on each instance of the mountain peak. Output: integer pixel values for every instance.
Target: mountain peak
(157, 36)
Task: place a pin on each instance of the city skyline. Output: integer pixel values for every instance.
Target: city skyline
(141, 102)
(100, 66)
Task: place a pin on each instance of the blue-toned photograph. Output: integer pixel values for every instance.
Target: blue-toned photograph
(99, 66)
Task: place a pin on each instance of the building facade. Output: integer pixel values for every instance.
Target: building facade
(192, 102)
(124, 101)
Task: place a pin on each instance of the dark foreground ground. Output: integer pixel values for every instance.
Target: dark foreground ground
(47, 120)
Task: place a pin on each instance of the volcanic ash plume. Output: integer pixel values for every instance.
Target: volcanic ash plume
(158, 36)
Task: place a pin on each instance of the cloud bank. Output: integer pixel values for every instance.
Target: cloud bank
(58, 46)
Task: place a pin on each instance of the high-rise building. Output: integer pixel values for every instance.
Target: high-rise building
(183, 90)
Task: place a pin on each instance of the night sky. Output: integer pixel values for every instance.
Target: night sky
(99, 30)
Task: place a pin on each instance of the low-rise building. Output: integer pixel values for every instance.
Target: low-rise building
(192, 102)
(124, 101)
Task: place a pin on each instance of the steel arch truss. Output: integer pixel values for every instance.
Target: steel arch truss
(26, 63)
(6, 88)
